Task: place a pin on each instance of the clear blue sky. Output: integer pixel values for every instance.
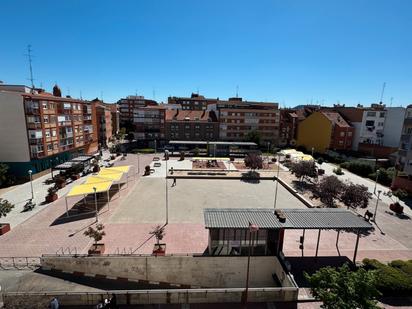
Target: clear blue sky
(292, 52)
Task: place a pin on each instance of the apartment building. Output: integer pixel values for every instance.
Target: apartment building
(325, 130)
(289, 121)
(195, 102)
(238, 117)
(149, 123)
(39, 129)
(189, 125)
(127, 107)
(104, 122)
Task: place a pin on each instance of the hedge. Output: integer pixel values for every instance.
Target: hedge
(394, 279)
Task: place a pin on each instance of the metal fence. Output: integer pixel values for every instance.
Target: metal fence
(27, 262)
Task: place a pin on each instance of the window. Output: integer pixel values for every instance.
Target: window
(371, 114)
(54, 132)
(46, 119)
(342, 134)
(47, 133)
(370, 123)
(349, 133)
(380, 124)
(340, 142)
(49, 147)
(44, 104)
(382, 114)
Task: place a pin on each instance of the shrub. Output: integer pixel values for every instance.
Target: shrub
(360, 168)
(392, 280)
(253, 161)
(143, 150)
(96, 234)
(5, 207)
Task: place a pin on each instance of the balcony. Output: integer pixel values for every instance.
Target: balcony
(34, 125)
(65, 123)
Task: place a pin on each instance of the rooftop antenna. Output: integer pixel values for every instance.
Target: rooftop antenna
(135, 92)
(29, 56)
(383, 91)
(197, 90)
(68, 91)
(391, 102)
(101, 96)
(154, 94)
(237, 91)
(81, 98)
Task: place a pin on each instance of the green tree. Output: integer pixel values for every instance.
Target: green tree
(5, 207)
(329, 188)
(342, 288)
(355, 196)
(253, 136)
(302, 169)
(253, 161)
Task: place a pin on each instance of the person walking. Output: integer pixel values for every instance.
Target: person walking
(174, 182)
(54, 303)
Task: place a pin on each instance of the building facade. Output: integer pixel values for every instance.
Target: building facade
(195, 102)
(39, 130)
(149, 123)
(104, 123)
(127, 107)
(187, 125)
(237, 118)
(325, 130)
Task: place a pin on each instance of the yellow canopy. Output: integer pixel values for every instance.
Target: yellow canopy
(111, 174)
(96, 179)
(85, 189)
(123, 168)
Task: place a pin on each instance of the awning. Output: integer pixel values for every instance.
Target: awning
(85, 189)
(123, 168)
(96, 179)
(112, 174)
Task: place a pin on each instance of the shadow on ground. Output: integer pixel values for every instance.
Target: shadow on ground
(312, 264)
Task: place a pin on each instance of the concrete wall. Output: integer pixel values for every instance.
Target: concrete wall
(13, 132)
(210, 272)
(392, 129)
(41, 300)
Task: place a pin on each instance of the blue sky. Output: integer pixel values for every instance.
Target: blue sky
(292, 52)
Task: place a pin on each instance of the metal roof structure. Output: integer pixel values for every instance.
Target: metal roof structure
(66, 165)
(82, 158)
(311, 218)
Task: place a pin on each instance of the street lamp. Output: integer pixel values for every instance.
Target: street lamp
(376, 207)
(376, 181)
(277, 181)
(31, 183)
(95, 203)
(167, 197)
(253, 228)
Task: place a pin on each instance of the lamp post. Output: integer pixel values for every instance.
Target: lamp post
(31, 183)
(313, 149)
(51, 168)
(167, 197)
(252, 229)
(277, 181)
(376, 181)
(95, 203)
(376, 207)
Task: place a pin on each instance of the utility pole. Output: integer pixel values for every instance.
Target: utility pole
(29, 56)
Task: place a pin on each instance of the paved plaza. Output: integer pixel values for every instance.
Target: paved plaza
(141, 205)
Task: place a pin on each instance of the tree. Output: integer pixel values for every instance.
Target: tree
(5, 207)
(253, 136)
(253, 161)
(159, 233)
(355, 195)
(342, 288)
(302, 169)
(329, 188)
(96, 234)
(3, 173)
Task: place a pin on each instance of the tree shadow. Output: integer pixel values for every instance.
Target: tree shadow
(401, 216)
(304, 186)
(252, 177)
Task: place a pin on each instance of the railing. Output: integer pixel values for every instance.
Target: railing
(67, 251)
(19, 262)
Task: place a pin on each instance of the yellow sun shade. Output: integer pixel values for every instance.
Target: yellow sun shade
(96, 179)
(123, 168)
(112, 175)
(85, 189)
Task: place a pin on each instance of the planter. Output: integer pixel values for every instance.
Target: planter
(75, 176)
(4, 228)
(159, 249)
(396, 208)
(51, 198)
(96, 249)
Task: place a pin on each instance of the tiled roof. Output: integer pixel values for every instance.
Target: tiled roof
(311, 218)
(189, 115)
(336, 118)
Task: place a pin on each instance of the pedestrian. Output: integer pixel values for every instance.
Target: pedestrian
(174, 182)
(54, 304)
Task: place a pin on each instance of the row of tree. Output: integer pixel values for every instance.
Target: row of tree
(330, 188)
